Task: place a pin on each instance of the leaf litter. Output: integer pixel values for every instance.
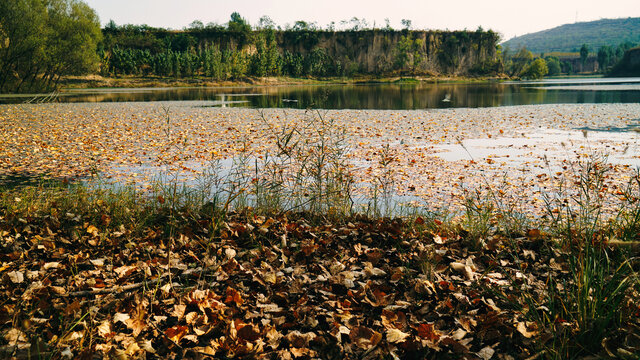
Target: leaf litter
(357, 289)
(275, 287)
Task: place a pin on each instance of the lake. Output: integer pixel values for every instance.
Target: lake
(394, 96)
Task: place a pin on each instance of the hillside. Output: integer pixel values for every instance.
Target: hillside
(570, 37)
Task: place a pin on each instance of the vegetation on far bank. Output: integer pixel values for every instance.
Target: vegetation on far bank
(132, 81)
(48, 40)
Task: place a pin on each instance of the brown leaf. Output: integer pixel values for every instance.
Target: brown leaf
(178, 310)
(104, 329)
(273, 338)
(428, 332)
(233, 296)
(533, 233)
(136, 325)
(298, 339)
(486, 353)
(248, 333)
(121, 317)
(15, 336)
(364, 337)
(176, 333)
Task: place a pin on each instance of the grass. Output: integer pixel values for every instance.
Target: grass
(577, 311)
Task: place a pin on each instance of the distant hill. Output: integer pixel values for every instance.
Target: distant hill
(570, 37)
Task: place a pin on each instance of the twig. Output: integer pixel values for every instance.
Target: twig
(126, 288)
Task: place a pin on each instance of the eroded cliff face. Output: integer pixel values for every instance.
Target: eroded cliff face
(424, 52)
(222, 53)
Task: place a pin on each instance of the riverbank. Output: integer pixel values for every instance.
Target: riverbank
(92, 272)
(97, 81)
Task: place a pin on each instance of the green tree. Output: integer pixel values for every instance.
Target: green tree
(22, 42)
(553, 64)
(584, 53)
(536, 69)
(408, 53)
(240, 28)
(44, 40)
(265, 23)
(605, 55)
(519, 62)
(196, 25)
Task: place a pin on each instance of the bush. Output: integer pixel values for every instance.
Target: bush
(536, 69)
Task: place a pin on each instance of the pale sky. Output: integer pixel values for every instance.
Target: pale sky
(508, 17)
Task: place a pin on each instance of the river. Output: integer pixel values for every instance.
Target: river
(383, 96)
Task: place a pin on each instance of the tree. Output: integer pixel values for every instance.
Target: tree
(408, 51)
(196, 25)
(584, 53)
(605, 55)
(302, 25)
(519, 62)
(111, 26)
(536, 69)
(265, 23)
(241, 29)
(553, 64)
(406, 23)
(358, 24)
(387, 25)
(46, 39)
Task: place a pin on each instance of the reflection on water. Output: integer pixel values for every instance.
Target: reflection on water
(376, 96)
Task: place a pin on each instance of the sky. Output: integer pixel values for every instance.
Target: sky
(508, 17)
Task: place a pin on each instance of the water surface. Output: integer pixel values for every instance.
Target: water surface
(395, 96)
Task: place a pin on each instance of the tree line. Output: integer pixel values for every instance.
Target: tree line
(42, 40)
(238, 50)
(219, 63)
(525, 64)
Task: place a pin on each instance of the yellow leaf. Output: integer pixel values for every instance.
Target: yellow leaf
(92, 230)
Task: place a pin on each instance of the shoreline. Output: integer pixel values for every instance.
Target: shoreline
(97, 81)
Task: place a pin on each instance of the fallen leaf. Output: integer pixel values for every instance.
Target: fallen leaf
(176, 333)
(522, 328)
(486, 353)
(396, 336)
(121, 317)
(51, 265)
(16, 277)
(92, 230)
(104, 328)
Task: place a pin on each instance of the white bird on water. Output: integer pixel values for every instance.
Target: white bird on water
(447, 98)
